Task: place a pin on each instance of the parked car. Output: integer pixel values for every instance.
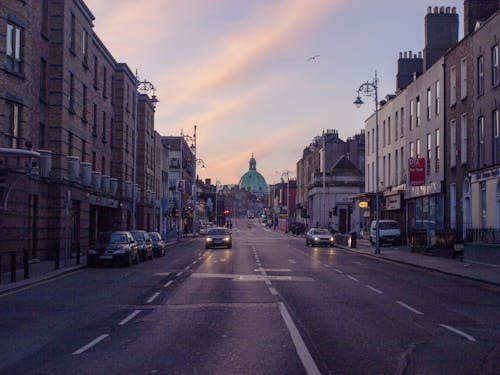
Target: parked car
(144, 243)
(159, 245)
(389, 232)
(113, 247)
(218, 236)
(319, 236)
(297, 228)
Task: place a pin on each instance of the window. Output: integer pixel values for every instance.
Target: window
(103, 165)
(42, 137)
(453, 86)
(94, 161)
(453, 206)
(373, 142)
(85, 47)
(72, 33)
(94, 127)
(14, 41)
(418, 148)
(45, 18)
(104, 82)
(383, 133)
(103, 127)
(494, 66)
(480, 75)
(396, 125)
(437, 152)
(389, 170)
(402, 122)
(480, 142)
(436, 98)
(411, 115)
(484, 204)
(72, 92)
(96, 71)
(84, 104)
(418, 112)
(429, 103)
(429, 153)
(396, 166)
(463, 138)
(12, 125)
(412, 150)
(463, 78)
(43, 79)
(453, 143)
(84, 149)
(403, 172)
(70, 143)
(496, 136)
(388, 130)
(383, 172)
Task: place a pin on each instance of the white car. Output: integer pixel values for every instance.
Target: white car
(389, 232)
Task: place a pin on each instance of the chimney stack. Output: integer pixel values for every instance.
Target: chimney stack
(477, 11)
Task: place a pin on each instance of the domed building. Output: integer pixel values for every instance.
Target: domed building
(253, 181)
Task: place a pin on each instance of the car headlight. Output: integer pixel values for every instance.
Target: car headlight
(332, 239)
(209, 239)
(316, 238)
(226, 239)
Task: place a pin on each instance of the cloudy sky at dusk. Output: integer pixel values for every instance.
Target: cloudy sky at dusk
(238, 69)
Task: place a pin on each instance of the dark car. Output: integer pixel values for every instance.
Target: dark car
(297, 228)
(144, 243)
(159, 245)
(319, 236)
(219, 236)
(113, 247)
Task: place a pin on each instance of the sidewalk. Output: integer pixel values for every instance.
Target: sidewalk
(482, 272)
(46, 270)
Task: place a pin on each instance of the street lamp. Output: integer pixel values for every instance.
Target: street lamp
(371, 89)
(143, 87)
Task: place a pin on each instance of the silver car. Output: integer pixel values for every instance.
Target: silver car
(319, 236)
(218, 236)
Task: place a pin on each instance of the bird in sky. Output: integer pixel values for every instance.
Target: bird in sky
(313, 58)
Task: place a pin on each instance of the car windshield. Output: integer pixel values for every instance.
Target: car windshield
(112, 238)
(155, 236)
(388, 225)
(322, 231)
(138, 236)
(218, 231)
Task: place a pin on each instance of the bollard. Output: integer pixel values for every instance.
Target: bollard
(26, 264)
(56, 250)
(78, 253)
(13, 266)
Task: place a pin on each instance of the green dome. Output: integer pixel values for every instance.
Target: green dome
(252, 180)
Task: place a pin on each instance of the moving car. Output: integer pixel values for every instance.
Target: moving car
(159, 245)
(113, 247)
(144, 243)
(218, 236)
(389, 232)
(319, 236)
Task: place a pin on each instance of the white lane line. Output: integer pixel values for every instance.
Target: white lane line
(153, 297)
(178, 274)
(162, 274)
(90, 344)
(293, 261)
(338, 271)
(374, 289)
(409, 308)
(268, 282)
(187, 268)
(458, 332)
(352, 278)
(168, 284)
(300, 346)
(273, 291)
(130, 317)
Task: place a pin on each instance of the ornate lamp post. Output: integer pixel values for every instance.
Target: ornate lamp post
(371, 89)
(142, 87)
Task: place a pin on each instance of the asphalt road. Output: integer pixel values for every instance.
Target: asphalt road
(269, 305)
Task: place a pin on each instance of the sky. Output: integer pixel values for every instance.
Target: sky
(240, 69)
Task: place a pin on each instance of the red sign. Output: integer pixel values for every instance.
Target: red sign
(416, 167)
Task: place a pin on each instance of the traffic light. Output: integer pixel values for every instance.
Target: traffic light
(226, 212)
(335, 211)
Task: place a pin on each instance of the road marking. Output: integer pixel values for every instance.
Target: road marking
(352, 278)
(90, 344)
(162, 273)
(293, 261)
(168, 284)
(273, 291)
(458, 332)
(300, 346)
(338, 271)
(374, 289)
(153, 297)
(273, 270)
(252, 277)
(187, 268)
(130, 317)
(178, 274)
(268, 282)
(409, 308)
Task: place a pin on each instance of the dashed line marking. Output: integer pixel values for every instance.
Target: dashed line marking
(458, 332)
(153, 297)
(90, 344)
(187, 268)
(273, 291)
(268, 282)
(293, 261)
(338, 271)
(168, 284)
(178, 274)
(130, 317)
(352, 278)
(409, 308)
(374, 289)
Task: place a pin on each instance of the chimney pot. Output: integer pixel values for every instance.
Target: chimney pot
(429, 9)
(400, 54)
(436, 10)
(448, 10)
(454, 10)
(441, 10)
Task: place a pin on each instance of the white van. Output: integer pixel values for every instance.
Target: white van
(388, 233)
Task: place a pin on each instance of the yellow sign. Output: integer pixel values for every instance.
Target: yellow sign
(363, 204)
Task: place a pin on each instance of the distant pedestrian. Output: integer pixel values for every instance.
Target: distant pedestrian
(185, 231)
